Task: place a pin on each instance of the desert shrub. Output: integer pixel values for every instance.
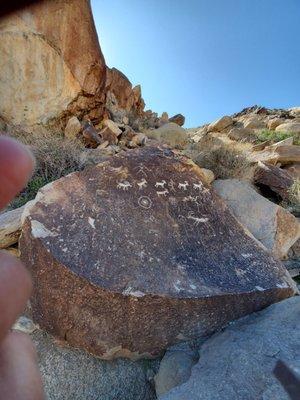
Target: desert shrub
(55, 157)
(225, 161)
(276, 136)
(293, 201)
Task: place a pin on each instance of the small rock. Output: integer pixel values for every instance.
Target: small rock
(10, 227)
(90, 135)
(108, 135)
(24, 325)
(178, 119)
(73, 128)
(138, 139)
(175, 369)
(164, 119)
(112, 126)
(103, 145)
(294, 170)
(220, 124)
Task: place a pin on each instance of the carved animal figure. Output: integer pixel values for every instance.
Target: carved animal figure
(197, 220)
(124, 185)
(183, 185)
(198, 186)
(142, 184)
(164, 193)
(160, 184)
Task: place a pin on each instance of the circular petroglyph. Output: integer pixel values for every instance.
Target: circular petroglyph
(145, 202)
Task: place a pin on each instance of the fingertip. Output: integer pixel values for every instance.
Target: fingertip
(16, 168)
(15, 290)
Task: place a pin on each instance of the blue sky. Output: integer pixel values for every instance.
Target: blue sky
(204, 58)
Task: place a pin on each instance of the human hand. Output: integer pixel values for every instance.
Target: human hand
(19, 374)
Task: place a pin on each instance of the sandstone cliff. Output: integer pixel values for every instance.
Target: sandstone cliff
(52, 68)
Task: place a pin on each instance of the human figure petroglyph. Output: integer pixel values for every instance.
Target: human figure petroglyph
(160, 184)
(171, 185)
(124, 185)
(162, 193)
(141, 170)
(142, 184)
(183, 185)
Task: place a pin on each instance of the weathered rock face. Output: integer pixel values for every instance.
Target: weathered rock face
(49, 62)
(269, 223)
(170, 134)
(137, 253)
(238, 364)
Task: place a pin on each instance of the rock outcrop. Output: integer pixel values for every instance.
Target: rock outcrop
(138, 253)
(49, 64)
(52, 69)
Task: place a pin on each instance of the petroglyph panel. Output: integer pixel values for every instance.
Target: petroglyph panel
(138, 252)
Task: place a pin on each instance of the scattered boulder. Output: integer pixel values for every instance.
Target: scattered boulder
(170, 134)
(73, 128)
(275, 178)
(220, 124)
(120, 283)
(254, 122)
(90, 135)
(178, 119)
(287, 154)
(293, 127)
(112, 126)
(294, 170)
(10, 227)
(242, 134)
(285, 142)
(239, 362)
(262, 145)
(269, 223)
(108, 135)
(274, 122)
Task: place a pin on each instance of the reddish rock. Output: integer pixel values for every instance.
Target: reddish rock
(138, 253)
(90, 135)
(275, 178)
(179, 119)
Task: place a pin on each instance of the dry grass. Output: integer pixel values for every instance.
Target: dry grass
(293, 201)
(225, 160)
(55, 156)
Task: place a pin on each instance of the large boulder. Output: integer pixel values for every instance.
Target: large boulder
(171, 134)
(220, 124)
(269, 223)
(278, 154)
(292, 127)
(238, 364)
(137, 253)
(74, 374)
(50, 58)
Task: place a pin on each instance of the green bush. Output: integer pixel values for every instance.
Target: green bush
(276, 136)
